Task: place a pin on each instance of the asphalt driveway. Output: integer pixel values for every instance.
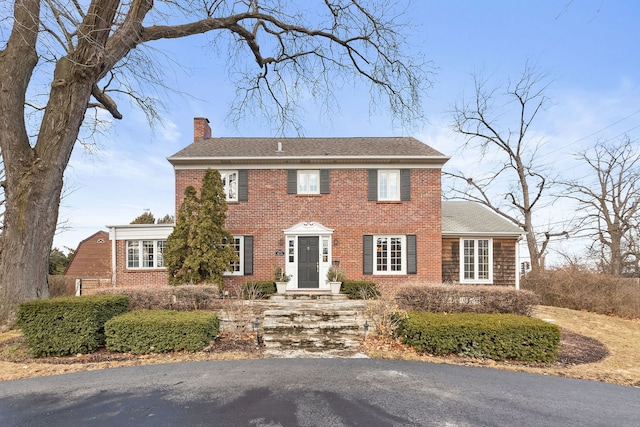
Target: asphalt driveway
(314, 392)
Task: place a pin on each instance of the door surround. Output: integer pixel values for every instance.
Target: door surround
(309, 229)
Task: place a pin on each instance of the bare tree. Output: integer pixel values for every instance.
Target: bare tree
(609, 201)
(77, 56)
(508, 179)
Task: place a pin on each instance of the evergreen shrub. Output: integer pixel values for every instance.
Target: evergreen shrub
(161, 331)
(68, 325)
(490, 336)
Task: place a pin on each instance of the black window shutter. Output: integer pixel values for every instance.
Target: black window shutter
(292, 181)
(324, 181)
(248, 255)
(412, 261)
(367, 251)
(243, 186)
(373, 185)
(405, 185)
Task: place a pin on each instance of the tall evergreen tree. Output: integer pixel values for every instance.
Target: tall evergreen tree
(198, 250)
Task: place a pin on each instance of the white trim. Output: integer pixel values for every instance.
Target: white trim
(387, 172)
(240, 272)
(403, 259)
(518, 265)
(327, 164)
(463, 280)
(307, 229)
(140, 231)
(309, 173)
(225, 187)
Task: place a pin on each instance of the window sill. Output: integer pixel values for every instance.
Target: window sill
(389, 202)
(308, 195)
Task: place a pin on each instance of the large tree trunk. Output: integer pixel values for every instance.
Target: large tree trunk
(34, 174)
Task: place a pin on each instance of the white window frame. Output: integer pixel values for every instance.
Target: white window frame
(156, 254)
(304, 180)
(388, 256)
(238, 268)
(475, 262)
(388, 184)
(230, 186)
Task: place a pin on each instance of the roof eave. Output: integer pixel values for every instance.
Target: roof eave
(275, 160)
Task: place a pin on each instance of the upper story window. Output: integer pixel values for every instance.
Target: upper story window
(308, 182)
(145, 253)
(389, 184)
(230, 184)
(476, 261)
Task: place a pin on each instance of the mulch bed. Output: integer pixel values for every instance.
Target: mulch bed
(575, 349)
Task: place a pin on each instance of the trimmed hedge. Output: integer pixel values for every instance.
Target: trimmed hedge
(359, 289)
(182, 297)
(161, 331)
(467, 299)
(265, 287)
(491, 336)
(68, 325)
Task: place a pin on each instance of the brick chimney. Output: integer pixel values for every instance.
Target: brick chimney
(201, 128)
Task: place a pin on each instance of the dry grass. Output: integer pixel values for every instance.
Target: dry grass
(620, 336)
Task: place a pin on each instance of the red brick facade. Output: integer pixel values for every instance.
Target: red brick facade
(136, 277)
(346, 209)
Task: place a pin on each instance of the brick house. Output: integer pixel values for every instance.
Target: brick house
(370, 205)
(91, 261)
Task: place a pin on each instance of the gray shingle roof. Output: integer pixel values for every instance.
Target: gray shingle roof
(471, 218)
(321, 150)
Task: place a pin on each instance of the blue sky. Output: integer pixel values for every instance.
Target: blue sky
(588, 48)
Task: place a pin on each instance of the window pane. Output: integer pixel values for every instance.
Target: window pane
(483, 259)
(382, 251)
(389, 185)
(393, 192)
(235, 266)
(147, 253)
(313, 183)
(383, 184)
(292, 252)
(395, 258)
(308, 182)
(469, 259)
(160, 253)
(232, 186)
(133, 254)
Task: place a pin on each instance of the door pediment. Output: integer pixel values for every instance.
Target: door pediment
(308, 228)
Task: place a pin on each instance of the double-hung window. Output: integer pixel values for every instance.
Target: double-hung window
(230, 184)
(476, 261)
(145, 253)
(390, 254)
(389, 184)
(308, 182)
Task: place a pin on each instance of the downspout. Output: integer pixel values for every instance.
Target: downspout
(112, 236)
(518, 263)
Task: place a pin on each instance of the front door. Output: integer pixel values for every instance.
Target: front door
(308, 258)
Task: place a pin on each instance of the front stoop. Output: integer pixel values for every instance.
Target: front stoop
(313, 326)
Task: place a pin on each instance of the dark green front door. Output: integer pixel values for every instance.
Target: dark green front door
(308, 258)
